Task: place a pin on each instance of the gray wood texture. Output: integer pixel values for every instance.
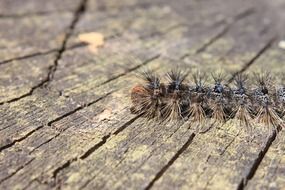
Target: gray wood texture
(64, 110)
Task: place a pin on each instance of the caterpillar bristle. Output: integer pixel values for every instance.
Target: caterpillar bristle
(177, 100)
(264, 102)
(241, 105)
(219, 98)
(143, 102)
(176, 78)
(262, 79)
(198, 99)
(243, 115)
(280, 100)
(146, 97)
(269, 118)
(152, 81)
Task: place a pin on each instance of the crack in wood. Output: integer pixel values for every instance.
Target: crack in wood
(49, 140)
(220, 154)
(52, 69)
(16, 171)
(27, 94)
(253, 59)
(105, 138)
(91, 150)
(244, 13)
(158, 148)
(34, 180)
(131, 69)
(82, 106)
(117, 165)
(85, 155)
(163, 32)
(252, 170)
(95, 147)
(120, 129)
(213, 40)
(170, 162)
(228, 24)
(53, 121)
(140, 165)
(28, 56)
(227, 146)
(76, 45)
(19, 139)
(83, 44)
(32, 14)
(247, 12)
(81, 9)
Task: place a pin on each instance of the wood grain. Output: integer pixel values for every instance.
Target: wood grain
(65, 120)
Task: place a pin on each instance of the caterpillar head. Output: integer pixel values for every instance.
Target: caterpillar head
(175, 81)
(218, 83)
(199, 81)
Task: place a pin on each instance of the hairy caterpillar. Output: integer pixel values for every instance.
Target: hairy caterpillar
(177, 99)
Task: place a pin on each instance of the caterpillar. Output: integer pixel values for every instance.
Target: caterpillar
(183, 98)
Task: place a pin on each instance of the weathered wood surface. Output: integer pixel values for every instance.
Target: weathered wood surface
(65, 120)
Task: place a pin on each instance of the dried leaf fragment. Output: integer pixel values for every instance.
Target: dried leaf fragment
(94, 39)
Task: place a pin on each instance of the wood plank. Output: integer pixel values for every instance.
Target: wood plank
(48, 31)
(22, 8)
(29, 127)
(133, 22)
(227, 158)
(19, 51)
(144, 172)
(74, 90)
(51, 110)
(270, 173)
(69, 131)
(217, 8)
(54, 160)
(216, 170)
(38, 143)
(15, 81)
(21, 88)
(124, 166)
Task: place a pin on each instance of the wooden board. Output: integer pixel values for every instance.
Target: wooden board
(65, 120)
